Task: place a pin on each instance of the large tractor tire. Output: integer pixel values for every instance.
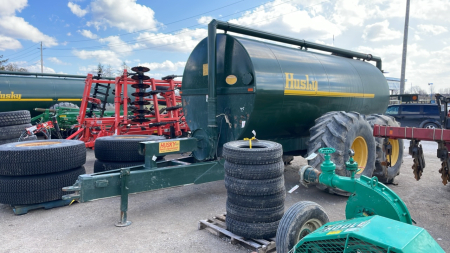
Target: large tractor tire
(41, 157)
(38, 188)
(343, 131)
(14, 118)
(300, 220)
(387, 174)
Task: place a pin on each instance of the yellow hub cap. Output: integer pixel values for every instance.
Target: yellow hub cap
(359, 145)
(395, 151)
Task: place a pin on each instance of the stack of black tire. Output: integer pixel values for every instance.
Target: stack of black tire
(120, 151)
(13, 124)
(36, 171)
(255, 186)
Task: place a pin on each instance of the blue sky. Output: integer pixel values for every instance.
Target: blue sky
(79, 34)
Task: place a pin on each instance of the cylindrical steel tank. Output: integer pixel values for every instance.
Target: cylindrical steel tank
(276, 90)
(29, 92)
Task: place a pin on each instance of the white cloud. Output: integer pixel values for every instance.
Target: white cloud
(101, 56)
(76, 9)
(289, 19)
(9, 7)
(380, 32)
(204, 20)
(57, 61)
(37, 68)
(183, 41)
(69, 34)
(88, 34)
(119, 46)
(123, 14)
(164, 66)
(18, 28)
(9, 43)
(351, 12)
(433, 29)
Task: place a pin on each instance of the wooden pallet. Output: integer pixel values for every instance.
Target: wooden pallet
(216, 226)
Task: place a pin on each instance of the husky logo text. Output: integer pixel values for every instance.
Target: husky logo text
(300, 84)
(10, 96)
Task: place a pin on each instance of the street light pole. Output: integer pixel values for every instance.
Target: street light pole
(431, 90)
(405, 45)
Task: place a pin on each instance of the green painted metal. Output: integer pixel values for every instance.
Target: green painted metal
(258, 99)
(368, 234)
(26, 91)
(368, 196)
(148, 177)
(65, 116)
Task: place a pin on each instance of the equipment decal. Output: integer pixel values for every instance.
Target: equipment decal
(169, 146)
(307, 87)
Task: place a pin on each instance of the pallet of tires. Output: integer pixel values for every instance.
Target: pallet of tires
(255, 188)
(120, 151)
(36, 171)
(13, 124)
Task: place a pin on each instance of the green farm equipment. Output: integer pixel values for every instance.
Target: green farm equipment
(377, 220)
(65, 117)
(233, 87)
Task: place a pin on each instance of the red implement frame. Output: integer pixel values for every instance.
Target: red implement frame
(171, 123)
(441, 136)
(423, 134)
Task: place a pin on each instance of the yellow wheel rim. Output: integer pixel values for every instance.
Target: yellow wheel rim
(395, 151)
(359, 145)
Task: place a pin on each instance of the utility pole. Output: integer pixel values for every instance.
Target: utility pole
(405, 43)
(42, 61)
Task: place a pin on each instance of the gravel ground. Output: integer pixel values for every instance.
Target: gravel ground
(166, 220)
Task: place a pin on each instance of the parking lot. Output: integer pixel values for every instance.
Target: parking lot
(166, 220)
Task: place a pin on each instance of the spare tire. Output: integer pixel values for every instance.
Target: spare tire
(41, 157)
(254, 187)
(37, 189)
(254, 172)
(122, 148)
(262, 152)
(11, 132)
(254, 215)
(263, 201)
(252, 230)
(14, 118)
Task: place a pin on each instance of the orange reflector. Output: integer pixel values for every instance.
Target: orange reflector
(250, 89)
(181, 92)
(390, 131)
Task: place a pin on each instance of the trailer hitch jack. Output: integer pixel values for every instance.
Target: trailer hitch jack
(124, 173)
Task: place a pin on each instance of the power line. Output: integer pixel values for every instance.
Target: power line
(25, 49)
(174, 31)
(195, 26)
(159, 26)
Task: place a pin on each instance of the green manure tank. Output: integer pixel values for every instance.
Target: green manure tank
(37, 90)
(276, 90)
